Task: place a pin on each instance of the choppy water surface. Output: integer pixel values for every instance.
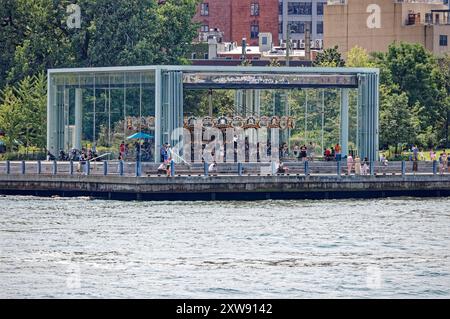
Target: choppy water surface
(82, 248)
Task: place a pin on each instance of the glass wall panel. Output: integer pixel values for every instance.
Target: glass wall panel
(111, 107)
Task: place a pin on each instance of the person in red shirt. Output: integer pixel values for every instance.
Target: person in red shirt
(122, 150)
(327, 154)
(337, 150)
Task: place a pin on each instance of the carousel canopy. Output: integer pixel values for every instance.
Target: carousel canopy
(140, 136)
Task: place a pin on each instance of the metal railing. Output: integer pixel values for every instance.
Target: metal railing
(137, 169)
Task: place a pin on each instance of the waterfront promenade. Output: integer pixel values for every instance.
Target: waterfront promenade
(254, 181)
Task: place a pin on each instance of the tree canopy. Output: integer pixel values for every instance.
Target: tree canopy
(329, 58)
(411, 69)
(23, 112)
(34, 36)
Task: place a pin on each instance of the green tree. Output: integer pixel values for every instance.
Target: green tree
(444, 66)
(358, 57)
(329, 58)
(411, 69)
(113, 33)
(398, 124)
(196, 103)
(44, 42)
(12, 33)
(23, 113)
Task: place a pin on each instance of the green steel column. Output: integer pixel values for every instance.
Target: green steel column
(51, 116)
(248, 102)
(178, 107)
(78, 118)
(172, 88)
(257, 103)
(158, 113)
(210, 102)
(369, 116)
(238, 101)
(344, 121)
(67, 141)
(323, 122)
(377, 115)
(306, 116)
(59, 111)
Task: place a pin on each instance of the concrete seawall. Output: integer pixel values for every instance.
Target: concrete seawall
(226, 187)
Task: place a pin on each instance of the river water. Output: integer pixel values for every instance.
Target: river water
(83, 248)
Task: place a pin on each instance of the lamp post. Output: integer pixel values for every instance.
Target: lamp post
(286, 104)
(288, 44)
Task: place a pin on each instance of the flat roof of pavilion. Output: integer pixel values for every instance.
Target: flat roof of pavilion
(203, 68)
(241, 77)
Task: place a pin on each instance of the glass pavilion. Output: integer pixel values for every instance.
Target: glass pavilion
(101, 107)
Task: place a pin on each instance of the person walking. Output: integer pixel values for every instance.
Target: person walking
(169, 167)
(138, 149)
(448, 165)
(311, 151)
(415, 151)
(296, 151)
(163, 153)
(122, 150)
(337, 150)
(445, 158)
(384, 163)
(350, 163)
(432, 155)
(365, 168)
(415, 165)
(442, 162)
(357, 165)
(304, 153)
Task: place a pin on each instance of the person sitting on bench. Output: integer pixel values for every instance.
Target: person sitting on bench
(162, 169)
(282, 169)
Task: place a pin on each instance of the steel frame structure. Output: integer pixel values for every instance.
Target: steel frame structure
(169, 83)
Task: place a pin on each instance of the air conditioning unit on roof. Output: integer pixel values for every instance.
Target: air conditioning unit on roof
(302, 44)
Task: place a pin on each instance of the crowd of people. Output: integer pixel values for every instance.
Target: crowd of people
(85, 154)
(444, 163)
(143, 151)
(307, 152)
(358, 166)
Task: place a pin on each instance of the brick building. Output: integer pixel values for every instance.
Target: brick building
(238, 19)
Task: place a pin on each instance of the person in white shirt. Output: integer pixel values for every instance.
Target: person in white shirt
(350, 163)
(212, 168)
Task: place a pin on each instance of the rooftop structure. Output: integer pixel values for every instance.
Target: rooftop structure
(237, 19)
(375, 24)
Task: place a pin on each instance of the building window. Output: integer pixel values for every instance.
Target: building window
(320, 27)
(264, 41)
(204, 9)
(280, 8)
(204, 28)
(254, 30)
(254, 9)
(298, 26)
(443, 40)
(300, 8)
(320, 6)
